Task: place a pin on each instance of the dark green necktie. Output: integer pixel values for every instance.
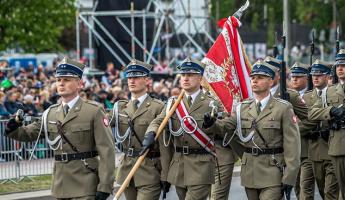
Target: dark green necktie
(135, 104)
(189, 101)
(258, 107)
(65, 109)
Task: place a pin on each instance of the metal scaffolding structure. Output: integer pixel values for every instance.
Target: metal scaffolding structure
(167, 21)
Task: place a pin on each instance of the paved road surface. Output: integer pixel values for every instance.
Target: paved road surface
(236, 193)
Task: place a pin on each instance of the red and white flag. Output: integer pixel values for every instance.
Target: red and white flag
(227, 66)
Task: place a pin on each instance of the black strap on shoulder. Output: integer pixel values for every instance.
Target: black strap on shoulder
(60, 132)
(258, 132)
(131, 126)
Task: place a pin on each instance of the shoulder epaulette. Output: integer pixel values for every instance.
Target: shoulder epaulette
(292, 90)
(94, 103)
(282, 101)
(333, 85)
(309, 91)
(54, 105)
(210, 95)
(158, 101)
(122, 101)
(248, 101)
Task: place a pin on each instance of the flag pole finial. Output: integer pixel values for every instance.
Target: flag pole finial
(238, 14)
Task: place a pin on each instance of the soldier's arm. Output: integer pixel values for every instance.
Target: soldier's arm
(318, 113)
(27, 133)
(306, 125)
(165, 148)
(292, 146)
(223, 126)
(106, 150)
(299, 106)
(154, 125)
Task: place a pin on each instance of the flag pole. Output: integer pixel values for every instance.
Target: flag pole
(142, 157)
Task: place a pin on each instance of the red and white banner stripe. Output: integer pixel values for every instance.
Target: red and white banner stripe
(199, 136)
(227, 66)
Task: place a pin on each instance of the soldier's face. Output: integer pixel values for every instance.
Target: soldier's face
(137, 85)
(261, 84)
(68, 86)
(190, 82)
(299, 82)
(320, 81)
(341, 71)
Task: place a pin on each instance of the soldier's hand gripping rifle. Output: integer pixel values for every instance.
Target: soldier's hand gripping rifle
(283, 93)
(334, 72)
(310, 80)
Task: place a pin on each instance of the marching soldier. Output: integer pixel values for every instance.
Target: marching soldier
(78, 131)
(298, 104)
(131, 119)
(294, 98)
(318, 138)
(267, 127)
(305, 180)
(334, 111)
(192, 162)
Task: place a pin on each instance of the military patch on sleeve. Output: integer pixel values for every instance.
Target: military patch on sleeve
(294, 119)
(105, 121)
(301, 101)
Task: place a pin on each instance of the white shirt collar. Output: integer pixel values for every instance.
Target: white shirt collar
(194, 95)
(72, 102)
(263, 102)
(301, 92)
(324, 90)
(274, 89)
(140, 99)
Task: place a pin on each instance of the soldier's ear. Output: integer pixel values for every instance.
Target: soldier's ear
(81, 84)
(200, 76)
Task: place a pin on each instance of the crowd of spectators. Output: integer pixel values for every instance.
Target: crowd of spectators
(34, 89)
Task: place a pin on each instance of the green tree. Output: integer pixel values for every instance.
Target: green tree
(226, 8)
(35, 25)
(317, 14)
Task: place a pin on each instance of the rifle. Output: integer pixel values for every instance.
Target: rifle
(310, 81)
(275, 47)
(334, 71)
(283, 93)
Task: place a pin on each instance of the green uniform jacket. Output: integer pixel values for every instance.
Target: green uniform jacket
(86, 127)
(299, 106)
(278, 126)
(301, 110)
(192, 169)
(150, 170)
(318, 149)
(335, 97)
